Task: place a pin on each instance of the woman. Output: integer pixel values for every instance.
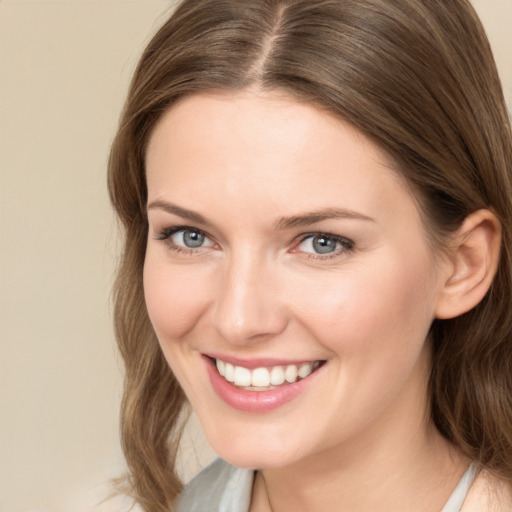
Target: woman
(316, 198)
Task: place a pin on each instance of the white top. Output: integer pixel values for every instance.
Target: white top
(221, 487)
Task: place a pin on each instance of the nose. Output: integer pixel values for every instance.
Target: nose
(247, 305)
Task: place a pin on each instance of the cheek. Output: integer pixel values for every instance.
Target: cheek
(175, 298)
(371, 311)
(374, 325)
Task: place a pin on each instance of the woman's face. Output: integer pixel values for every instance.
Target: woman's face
(283, 246)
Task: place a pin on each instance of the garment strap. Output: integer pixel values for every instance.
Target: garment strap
(456, 500)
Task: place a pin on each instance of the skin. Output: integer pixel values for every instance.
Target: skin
(243, 162)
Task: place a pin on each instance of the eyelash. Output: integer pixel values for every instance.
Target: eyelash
(347, 245)
(166, 234)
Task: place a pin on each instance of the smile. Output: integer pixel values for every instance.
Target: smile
(261, 385)
(265, 378)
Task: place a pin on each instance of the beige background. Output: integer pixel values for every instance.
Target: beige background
(64, 68)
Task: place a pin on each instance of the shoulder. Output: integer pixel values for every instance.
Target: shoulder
(218, 487)
(488, 494)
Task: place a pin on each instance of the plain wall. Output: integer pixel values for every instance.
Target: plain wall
(64, 69)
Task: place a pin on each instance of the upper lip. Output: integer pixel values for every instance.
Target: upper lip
(259, 362)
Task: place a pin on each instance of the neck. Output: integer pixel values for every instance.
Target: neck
(422, 482)
(398, 463)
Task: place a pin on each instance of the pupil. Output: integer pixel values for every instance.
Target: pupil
(324, 245)
(193, 239)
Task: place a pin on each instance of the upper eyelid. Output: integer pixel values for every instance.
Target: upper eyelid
(166, 233)
(305, 236)
(302, 236)
(347, 246)
(171, 230)
(321, 233)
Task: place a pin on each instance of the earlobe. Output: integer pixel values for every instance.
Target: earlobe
(472, 265)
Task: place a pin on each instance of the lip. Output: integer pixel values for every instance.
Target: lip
(251, 364)
(257, 401)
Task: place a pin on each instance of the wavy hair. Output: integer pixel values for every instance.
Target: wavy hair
(418, 78)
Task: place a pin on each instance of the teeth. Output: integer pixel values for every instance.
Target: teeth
(242, 376)
(305, 370)
(221, 367)
(262, 379)
(230, 372)
(277, 376)
(290, 374)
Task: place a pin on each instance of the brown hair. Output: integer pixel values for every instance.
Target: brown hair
(418, 77)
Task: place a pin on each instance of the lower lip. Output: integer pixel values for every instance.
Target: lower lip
(257, 401)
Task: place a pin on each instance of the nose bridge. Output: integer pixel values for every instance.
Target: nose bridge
(247, 303)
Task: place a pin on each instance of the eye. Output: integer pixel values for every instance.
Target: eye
(189, 238)
(319, 244)
(185, 238)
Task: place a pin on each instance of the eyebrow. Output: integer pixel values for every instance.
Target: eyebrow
(179, 211)
(308, 218)
(304, 219)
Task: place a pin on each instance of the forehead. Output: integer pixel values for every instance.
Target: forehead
(251, 148)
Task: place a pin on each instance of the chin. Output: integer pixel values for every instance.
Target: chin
(254, 459)
(254, 451)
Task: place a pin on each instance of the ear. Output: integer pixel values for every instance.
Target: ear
(472, 264)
